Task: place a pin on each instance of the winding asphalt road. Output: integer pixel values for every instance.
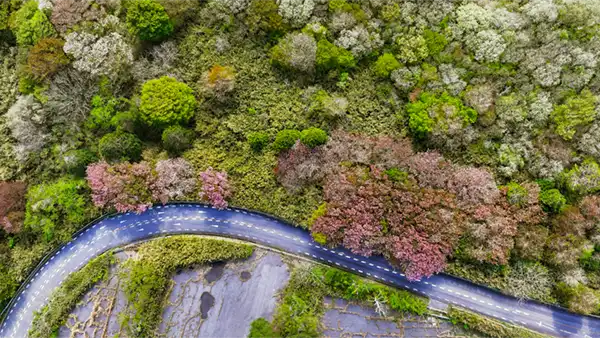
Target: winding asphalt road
(201, 219)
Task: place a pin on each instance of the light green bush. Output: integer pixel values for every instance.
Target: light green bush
(258, 140)
(148, 20)
(30, 25)
(576, 111)
(60, 206)
(166, 102)
(313, 137)
(285, 139)
(553, 200)
(385, 65)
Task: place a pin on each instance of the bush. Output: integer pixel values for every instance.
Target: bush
(330, 56)
(575, 112)
(76, 161)
(166, 102)
(124, 186)
(404, 301)
(313, 137)
(52, 316)
(385, 65)
(552, 200)
(30, 25)
(295, 51)
(396, 175)
(177, 139)
(285, 139)
(582, 179)
(148, 20)
(102, 114)
(61, 205)
(46, 58)
(327, 108)
(258, 140)
(215, 187)
(438, 113)
(516, 194)
(120, 146)
(261, 328)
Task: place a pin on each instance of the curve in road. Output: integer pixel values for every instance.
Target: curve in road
(188, 218)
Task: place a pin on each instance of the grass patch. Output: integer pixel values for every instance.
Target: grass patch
(301, 306)
(146, 279)
(52, 316)
(488, 326)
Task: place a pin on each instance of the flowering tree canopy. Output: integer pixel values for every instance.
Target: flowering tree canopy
(215, 187)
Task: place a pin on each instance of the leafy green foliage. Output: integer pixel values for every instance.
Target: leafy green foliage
(396, 175)
(30, 25)
(166, 102)
(261, 328)
(285, 139)
(577, 111)
(76, 161)
(582, 179)
(431, 112)
(176, 139)
(516, 194)
(330, 56)
(52, 316)
(58, 207)
(313, 137)
(436, 42)
(258, 140)
(263, 16)
(404, 301)
(553, 200)
(147, 278)
(148, 20)
(105, 114)
(120, 146)
(385, 65)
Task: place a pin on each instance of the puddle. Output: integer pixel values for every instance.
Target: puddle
(215, 272)
(207, 301)
(245, 275)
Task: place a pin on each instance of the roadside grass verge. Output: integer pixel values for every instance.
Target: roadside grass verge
(488, 326)
(53, 315)
(147, 278)
(301, 306)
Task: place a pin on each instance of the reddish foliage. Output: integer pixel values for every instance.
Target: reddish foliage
(369, 214)
(300, 166)
(590, 208)
(215, 187)
(175, 180)
(124, 186)
(416, 221)
(67, 13)
(12, 205)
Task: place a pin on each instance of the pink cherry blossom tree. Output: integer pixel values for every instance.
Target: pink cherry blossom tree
(215, 187)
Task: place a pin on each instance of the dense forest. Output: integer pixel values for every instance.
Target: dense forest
(457, 136)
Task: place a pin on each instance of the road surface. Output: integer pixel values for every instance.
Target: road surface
(122, 229)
